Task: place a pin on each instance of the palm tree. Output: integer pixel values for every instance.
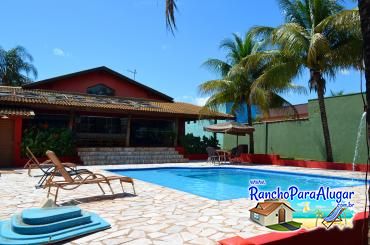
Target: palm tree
(15, 66)
(236, 82)
(321, 36)
(364, 9)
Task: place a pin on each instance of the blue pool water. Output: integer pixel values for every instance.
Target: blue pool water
(220, 183)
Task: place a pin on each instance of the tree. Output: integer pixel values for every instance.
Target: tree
(236, 80)
(15, 67)
(364, 9)
(320, 36)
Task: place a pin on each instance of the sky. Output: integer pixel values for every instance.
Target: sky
(68, 36)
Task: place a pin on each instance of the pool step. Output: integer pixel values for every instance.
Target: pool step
(129, 155)
(37, 226)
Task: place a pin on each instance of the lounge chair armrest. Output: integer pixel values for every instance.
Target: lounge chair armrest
(95, 176)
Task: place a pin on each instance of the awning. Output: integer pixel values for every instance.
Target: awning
(233, 128)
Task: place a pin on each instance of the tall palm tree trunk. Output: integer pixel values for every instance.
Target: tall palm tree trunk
(251, 137)
(324, 122)
(364, 9)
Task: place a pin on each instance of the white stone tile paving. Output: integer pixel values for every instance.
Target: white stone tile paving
(156, 215)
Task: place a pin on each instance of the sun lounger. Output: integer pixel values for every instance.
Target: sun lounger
(47, 168)
(70, 183)
(33, 163)
(334, 216)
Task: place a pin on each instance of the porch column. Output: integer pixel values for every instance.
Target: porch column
(214, 134)
(176, 130)
(128, 131)
(71, 123)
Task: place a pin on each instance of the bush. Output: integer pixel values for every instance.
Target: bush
(59, 140)
(197, 145)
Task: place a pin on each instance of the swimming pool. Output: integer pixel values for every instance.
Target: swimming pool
(223, 183)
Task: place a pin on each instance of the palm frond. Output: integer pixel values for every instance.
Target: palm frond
(342, 22)
(292, 37)
(293, 11)
(319, 47)
(171, 8)
(218, 66)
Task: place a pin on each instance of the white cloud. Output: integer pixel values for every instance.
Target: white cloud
(59, 52)
(344, 72)
(201, 101)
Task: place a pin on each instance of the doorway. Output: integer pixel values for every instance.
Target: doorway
(6, 142)
(281, 215)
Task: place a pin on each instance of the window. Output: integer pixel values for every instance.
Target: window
(101, 89)
(256, 216)
(47, 121)
(101, 125)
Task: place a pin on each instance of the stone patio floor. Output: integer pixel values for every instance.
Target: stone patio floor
(156, 215)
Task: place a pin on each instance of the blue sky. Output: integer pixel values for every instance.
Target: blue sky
(68, 36)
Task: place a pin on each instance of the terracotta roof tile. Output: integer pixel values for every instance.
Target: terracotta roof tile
(29, 97)
(5, 111)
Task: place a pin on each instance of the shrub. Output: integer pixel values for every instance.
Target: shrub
(39, 140)
(197, 145)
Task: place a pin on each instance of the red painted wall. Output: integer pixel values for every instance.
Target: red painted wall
(276, 160)
(17, 141)
(355, 235)
(81, 82)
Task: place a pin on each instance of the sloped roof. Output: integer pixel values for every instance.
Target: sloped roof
(11, 111)
(266, 208)
(32, 97)
(101, 68)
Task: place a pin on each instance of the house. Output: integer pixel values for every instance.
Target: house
(102, 108)
(271, 212)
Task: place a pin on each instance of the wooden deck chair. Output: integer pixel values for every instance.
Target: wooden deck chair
(70, 183)
(33, 163)
(334, 216)
(47, 168)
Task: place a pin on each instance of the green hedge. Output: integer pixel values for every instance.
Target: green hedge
(197, 145)
(39, 140)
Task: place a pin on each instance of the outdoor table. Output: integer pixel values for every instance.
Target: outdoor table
(223, 155)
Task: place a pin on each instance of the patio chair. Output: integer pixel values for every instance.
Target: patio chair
(33, 163)
(47, 168)
(70, 183)
(236, 153)
(334, 216)
(212, 155)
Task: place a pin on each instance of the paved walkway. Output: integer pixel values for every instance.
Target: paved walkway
(156, 215)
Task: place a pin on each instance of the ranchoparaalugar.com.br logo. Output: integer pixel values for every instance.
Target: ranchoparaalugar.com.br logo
(293, 192)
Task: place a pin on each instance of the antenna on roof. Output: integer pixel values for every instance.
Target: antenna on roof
(133, 72)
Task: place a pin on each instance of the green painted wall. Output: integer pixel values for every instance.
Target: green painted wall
(303, 139)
